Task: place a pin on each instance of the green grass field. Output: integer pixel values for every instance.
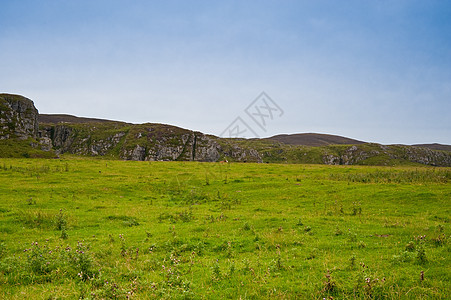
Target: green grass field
(97, 229)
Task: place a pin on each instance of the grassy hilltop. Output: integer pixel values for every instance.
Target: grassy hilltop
(96, 229)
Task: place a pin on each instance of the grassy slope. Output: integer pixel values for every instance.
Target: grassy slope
(58, 118)
(14, 148)
(181, 229)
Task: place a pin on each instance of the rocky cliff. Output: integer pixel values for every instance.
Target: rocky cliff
(58, 134)
(18, 117)
(146, 142)
(376, 154)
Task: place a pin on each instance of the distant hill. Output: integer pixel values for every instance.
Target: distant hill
(314, 139)
(435, 146)
(61, 118)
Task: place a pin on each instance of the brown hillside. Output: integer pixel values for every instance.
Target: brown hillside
(314, 139)
(61, 118)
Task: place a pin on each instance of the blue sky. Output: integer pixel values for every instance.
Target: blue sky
(377, 71)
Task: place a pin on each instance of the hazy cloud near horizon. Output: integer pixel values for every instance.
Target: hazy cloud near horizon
(371, 70)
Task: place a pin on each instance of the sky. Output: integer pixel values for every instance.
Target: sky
(377, 71)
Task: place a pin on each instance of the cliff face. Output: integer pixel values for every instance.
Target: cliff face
(149, 142)
(18, 117)
(145, 142)
(162, 142)
(376, 154)
(155, 142)
(82, 139)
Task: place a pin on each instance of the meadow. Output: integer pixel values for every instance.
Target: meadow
(77, 228)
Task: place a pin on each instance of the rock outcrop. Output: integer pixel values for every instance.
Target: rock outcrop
(376, 154)
(18, 117)
(159, 142)
(145, 142)
(83, 139)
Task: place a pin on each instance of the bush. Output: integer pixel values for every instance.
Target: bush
(61, 220)
(38, 261)
(81, 261)
(421, 254)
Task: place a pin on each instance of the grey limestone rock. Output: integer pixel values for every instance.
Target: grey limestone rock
(18, 117)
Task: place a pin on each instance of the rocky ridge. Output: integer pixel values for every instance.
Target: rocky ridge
(157, 142)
